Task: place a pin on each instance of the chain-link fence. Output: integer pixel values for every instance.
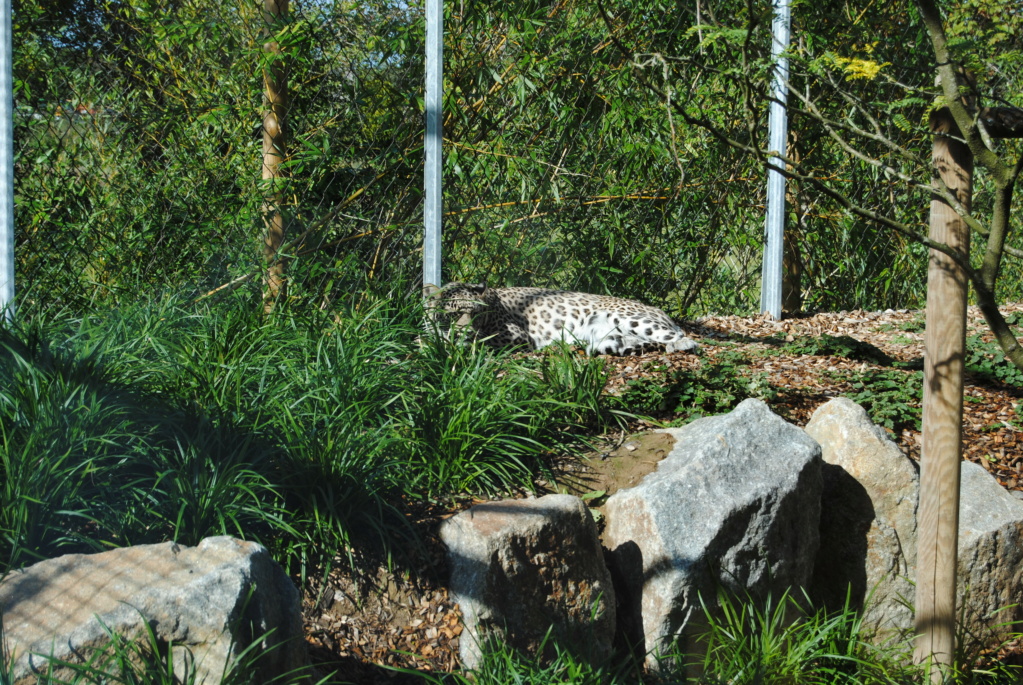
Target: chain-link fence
(140, 146)
(588, 147)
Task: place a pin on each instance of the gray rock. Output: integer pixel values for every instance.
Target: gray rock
(990, 554)
(734, 506)
(522, 567)
(869, 531)
(209, 601)
(868, 519)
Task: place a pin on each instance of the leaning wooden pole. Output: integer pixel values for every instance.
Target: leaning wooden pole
(275, 82)
(941, 450)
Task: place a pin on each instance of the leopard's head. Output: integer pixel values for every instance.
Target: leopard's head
(454, 305)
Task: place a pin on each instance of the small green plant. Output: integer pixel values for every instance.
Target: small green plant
(986, 359)
(148, 660)
(576, 383)
(891, 397)
(1014, 319)
(714, 387)
(903, 340)
(914, 325)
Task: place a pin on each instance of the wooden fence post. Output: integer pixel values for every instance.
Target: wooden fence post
(941, 452)
(274, 152)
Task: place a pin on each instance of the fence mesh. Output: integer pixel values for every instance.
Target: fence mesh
(573, 151)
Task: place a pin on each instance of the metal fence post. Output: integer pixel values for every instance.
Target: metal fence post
(6, 163)
(432, 173)
(774, 247)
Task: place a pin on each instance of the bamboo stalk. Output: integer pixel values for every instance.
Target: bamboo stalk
(275, 82)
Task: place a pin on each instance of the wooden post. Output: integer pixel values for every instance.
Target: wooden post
(274, 152)
(941, 452)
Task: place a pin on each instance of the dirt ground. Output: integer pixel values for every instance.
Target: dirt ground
(362, 629)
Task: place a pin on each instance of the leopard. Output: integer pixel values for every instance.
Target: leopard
(537, 317)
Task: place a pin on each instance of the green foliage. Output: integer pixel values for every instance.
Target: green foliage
(914, 325)
(139, 172)
(836, 346)
(469, 422)
(88, 462)
(576, 382)
(146, 659)
(985, 359)
(891, 398)
(714, 387)
(482, 421)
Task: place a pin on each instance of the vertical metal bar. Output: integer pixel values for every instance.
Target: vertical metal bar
(6, 163)
(432, 173)
(774, 246)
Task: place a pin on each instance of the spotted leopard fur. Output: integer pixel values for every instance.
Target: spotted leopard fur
(536, 317)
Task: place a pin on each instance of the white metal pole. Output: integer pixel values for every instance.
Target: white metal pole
(432, 173)
(771, 276)
(6, 163)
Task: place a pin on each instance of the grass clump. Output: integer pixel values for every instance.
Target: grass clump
(483, 421)
(785, 641)
(554, 664)
(179, 421)
(777, 641)
(148, 659)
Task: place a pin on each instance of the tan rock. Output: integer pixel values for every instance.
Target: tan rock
(206, 600)
(522, 567)
(869, 532)
(868, 518)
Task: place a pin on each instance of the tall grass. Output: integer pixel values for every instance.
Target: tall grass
(304, 431)
(477, 420)
(785, 641)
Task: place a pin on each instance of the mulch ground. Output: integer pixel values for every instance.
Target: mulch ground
(365, 630)
(992, 430)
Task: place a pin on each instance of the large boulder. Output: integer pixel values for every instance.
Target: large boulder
(990, 554)
(868, 519)
(869, 531)
(522, 567)
(210, 602)
(734, 506)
